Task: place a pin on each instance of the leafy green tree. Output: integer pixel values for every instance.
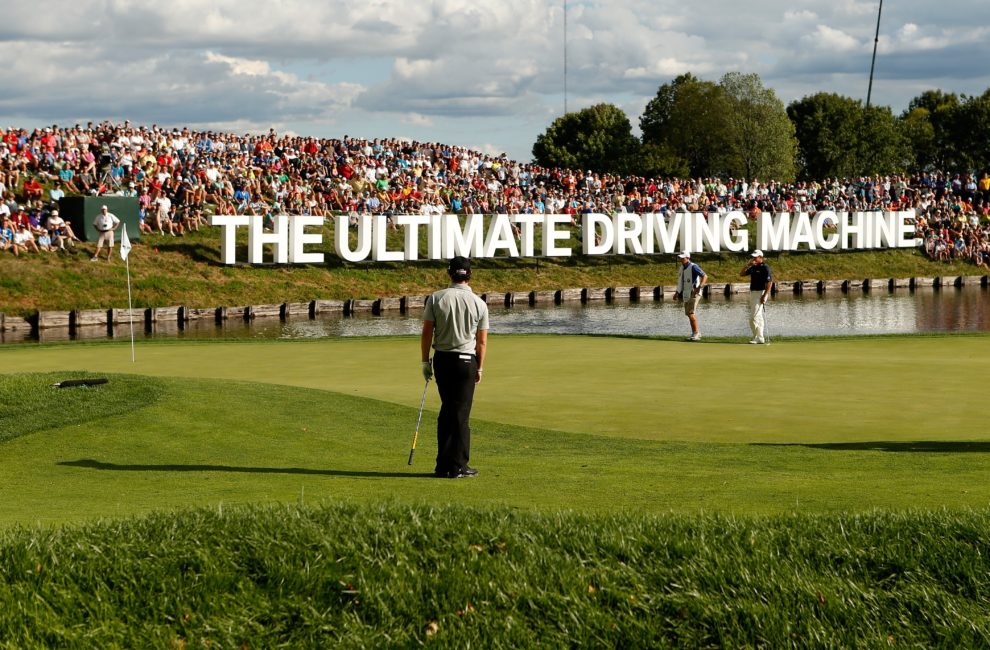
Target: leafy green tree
(761, 138)
(658, 161)
(825, 125)
(916, 125)
(882, 147)
(655, 120)
(941, 111)
(838, 136)
(598, 138)
(687, 122)
(969, 133)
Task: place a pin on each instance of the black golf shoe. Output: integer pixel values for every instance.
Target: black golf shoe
(464, 472)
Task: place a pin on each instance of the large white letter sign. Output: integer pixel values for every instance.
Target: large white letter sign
(527, 223)
(708, 232)
(801, 232)
(854, 231)
(500, 237)
(589, 229)
(823, 219)
(468, 242)
(410, 224)
(379, 243)
(884, 229)
(666, 229)
(257, 238)
(343, 246)
(773, 235)
(298, 238)
(735, 237)
(228, 241)
(621, 234)
(552, 235)
(906, 230)
(628, 229)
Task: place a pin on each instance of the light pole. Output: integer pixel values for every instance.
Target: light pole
(565, 57)
(876, 40)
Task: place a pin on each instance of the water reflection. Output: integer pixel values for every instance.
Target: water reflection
(809, 314)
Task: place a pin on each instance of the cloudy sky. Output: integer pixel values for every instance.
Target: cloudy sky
(489, 75)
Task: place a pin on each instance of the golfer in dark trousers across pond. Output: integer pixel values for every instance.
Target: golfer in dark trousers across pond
(455, 325)
(760, 286)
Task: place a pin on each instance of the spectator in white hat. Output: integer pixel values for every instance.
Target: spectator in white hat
(106, 223)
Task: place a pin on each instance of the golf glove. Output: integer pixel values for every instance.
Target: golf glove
(427, 370)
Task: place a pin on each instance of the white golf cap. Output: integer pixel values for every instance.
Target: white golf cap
(757, 253)
(684, 255)
(103, 207)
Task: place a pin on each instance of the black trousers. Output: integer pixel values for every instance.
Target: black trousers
(455, 373)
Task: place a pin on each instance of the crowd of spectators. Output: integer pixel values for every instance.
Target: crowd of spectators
(179, 176)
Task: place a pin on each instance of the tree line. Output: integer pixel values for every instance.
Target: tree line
(739, 128)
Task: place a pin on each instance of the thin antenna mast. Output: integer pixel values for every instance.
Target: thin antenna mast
(565, 57)
(876, 40)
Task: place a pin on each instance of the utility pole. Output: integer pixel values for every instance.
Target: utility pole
(565, 57)
(876, 40)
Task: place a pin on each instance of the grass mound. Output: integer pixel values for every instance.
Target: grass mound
(30, 402)
(393, 575)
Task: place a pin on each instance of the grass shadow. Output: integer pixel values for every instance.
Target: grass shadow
(95, 464)
(923, 446)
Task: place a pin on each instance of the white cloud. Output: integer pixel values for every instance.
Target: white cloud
(832, 40)
(802, 16)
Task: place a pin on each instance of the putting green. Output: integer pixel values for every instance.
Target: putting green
(796, 391)
(560, 422)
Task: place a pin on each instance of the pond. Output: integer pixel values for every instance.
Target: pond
(925, 310)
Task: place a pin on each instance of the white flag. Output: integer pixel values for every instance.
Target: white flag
(125, 244)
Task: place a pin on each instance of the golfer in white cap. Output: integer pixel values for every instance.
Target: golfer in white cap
(760, 285)
(689, 287)
(455, 325)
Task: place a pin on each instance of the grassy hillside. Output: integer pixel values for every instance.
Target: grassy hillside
(187, 271)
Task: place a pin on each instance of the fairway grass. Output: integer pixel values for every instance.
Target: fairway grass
(188, 441)
(633, 493)
(875, 389)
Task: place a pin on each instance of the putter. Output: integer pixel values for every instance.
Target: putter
(419, 419)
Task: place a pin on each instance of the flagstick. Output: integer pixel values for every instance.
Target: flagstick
(130, 315)
(125, 250)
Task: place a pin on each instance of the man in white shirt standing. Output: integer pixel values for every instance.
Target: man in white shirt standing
(106, 223)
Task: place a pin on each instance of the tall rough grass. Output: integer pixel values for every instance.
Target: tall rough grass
(403, 576)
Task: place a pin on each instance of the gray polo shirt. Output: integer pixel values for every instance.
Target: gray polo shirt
(457, 315)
